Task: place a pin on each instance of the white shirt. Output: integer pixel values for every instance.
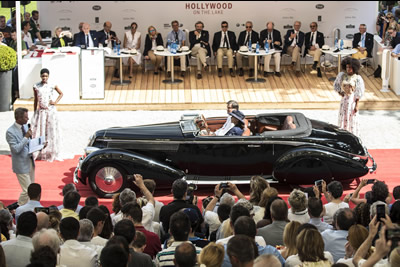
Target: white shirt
(18, 251)
(294, 260)
(73, 253)
(221, 44)
(301, 216)
(294, 42)
(364, 35)
(28, 39)
(259, 240)
(96, 248)
(225, 128)
(91, 44)
(211, 218)
(29, 206)
(314, 38)
(99, 241)
(331, 208)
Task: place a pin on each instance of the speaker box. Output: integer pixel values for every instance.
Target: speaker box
(7, 4)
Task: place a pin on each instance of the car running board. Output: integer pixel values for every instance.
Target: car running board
(210, 180)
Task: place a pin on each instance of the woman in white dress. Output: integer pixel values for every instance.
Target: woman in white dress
(132, 40)
(45, 121)
(351, 87)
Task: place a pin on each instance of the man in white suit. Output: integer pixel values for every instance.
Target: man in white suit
(23, 164)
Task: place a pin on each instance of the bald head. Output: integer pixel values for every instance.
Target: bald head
(270, 25)
(43, 221)
(267, 260)
(107, 26)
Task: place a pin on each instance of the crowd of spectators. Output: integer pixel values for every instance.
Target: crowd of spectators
(230, 229)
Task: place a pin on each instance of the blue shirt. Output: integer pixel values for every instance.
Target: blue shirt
(181, 36)
(235, 131)
(335, 240)
(396, 50)
(261, 250)
(29, 206)
(321, 226)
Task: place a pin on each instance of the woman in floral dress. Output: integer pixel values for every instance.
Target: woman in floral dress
(351, 87)
(45, 121)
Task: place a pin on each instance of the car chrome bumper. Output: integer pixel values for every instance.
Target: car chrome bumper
(374, 166)
(77, 172)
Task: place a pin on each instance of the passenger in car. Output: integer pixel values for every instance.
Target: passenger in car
(237, 120)
(288, 124)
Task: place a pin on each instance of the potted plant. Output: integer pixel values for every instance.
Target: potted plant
(8, 60)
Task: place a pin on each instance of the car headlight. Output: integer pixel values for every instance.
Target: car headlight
(90, 149)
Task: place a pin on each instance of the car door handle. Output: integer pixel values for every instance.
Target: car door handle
(253, 145)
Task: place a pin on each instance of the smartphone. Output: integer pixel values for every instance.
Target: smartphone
(223, 185)
(380, 212)
(42, 209)
(392, 234)
(318, 182)
(370, 181)
(351, 194)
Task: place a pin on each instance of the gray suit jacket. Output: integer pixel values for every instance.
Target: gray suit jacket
(19, 149)
(273, 233)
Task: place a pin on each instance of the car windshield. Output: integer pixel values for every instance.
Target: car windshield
(188, 123)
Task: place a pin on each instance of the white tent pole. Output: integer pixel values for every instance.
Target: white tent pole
(19, 40)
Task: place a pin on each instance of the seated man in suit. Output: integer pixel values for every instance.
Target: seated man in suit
(80, 30)
(87, 38)
(109, 39)
(244, 38)
(363, 42)
(273, 38)
(224, 44)
(313, 44)
(200, 46)
(294, 40)
(177, 35)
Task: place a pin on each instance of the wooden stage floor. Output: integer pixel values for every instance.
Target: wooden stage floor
(148, 92)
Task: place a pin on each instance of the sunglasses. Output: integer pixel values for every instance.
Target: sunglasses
(152, 30)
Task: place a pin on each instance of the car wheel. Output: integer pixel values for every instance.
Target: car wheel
(108, 179)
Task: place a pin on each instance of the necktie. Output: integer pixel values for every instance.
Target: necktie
(247, 39)
(226, 41)
(23, 131)
(176, 37)
(87, 40)
(362, 40)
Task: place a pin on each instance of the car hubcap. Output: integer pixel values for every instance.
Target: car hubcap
(109, 179)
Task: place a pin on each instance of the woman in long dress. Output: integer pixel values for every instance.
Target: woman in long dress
(45, 121)
(351, 87)
(132, 40)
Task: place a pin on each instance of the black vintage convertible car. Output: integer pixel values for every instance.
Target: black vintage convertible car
(300, 153)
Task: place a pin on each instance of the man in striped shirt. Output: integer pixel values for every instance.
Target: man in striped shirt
(179, 228)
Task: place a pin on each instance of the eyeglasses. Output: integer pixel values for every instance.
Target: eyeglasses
(224, 26)
(362, 28)
(313, 26)
(249, 27)
(175, 25)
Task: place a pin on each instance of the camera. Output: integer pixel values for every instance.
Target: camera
(13, 206)
(42, 209)
(190, 189)
(370, 181)
(223, 185)
(392, 234)
(318, 182)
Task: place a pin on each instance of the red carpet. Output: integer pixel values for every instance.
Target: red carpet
(53, 176)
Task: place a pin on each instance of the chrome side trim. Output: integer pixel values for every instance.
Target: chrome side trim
(374, 166)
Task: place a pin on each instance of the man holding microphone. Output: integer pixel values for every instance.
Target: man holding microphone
(23, 165)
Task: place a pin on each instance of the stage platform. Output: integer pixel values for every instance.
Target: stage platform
(147, 92)
(53, 176)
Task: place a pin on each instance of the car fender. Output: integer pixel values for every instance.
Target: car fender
(130, 161)
(307, 164)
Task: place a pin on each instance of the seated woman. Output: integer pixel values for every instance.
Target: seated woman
(238, 122)
(61, 38)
